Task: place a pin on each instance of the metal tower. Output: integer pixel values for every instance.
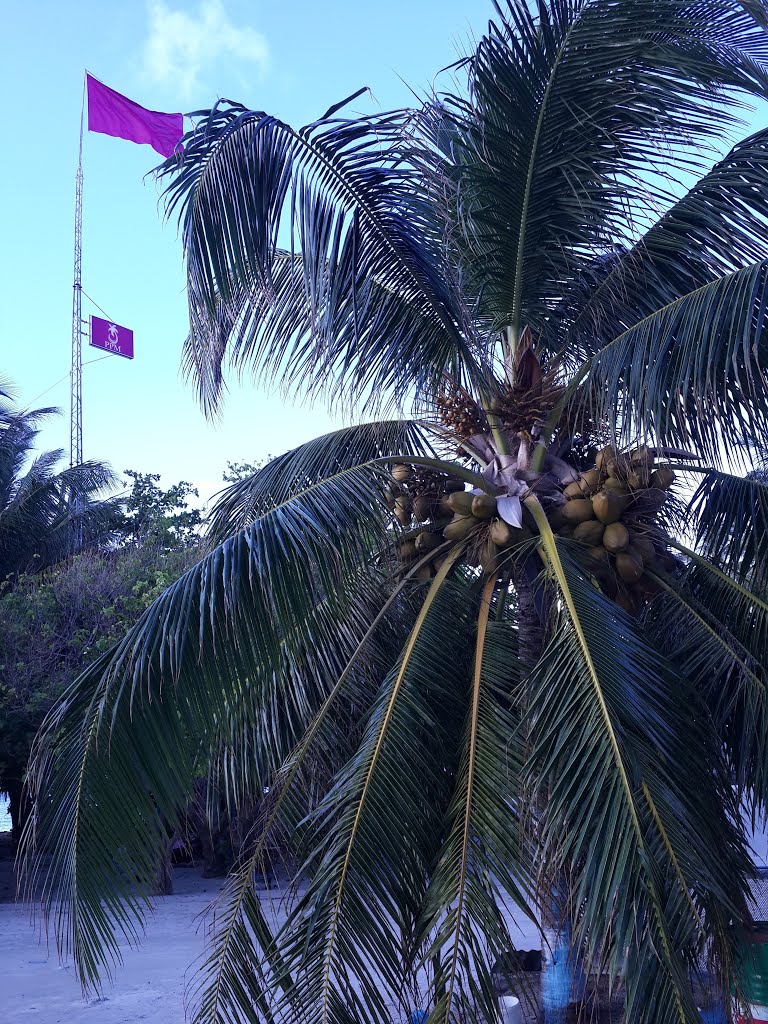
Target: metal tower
(76, 363)
(76, 366)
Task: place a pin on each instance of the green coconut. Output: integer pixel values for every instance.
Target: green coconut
(573, 490)
(615, 537)
(604, 456)
(423, 506)
(609, 506)
(459, 527)
(614, 484)
(427, 541)
(629, 565)
(645, 547)
(598, 554)
(589, 532)
(662, 478)
(590, 481)
(638, 478)
(489, 558)
(555, 517)
(483, 506)
(460, 502)
(642, 456)
(407, 550)
(578, 510)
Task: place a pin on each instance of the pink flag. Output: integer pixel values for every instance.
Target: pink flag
(113, 114)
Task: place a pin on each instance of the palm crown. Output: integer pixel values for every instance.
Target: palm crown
(552, 683)
(45, 512)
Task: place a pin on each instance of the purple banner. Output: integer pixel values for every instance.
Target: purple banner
(111, 113)
(111, 337)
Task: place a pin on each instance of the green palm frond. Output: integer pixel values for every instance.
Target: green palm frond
(716, 228)
(268, 611)
(348, 939)
(365, 306)
(569, 103)
(319, 458)
(731, 515)
(734, 681)
(485, 859)
(41, 505)
(690, 374)
(718, 645)
(612, 756)
(233, 966)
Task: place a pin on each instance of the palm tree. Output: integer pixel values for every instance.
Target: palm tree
(544, 692)
(45, 513)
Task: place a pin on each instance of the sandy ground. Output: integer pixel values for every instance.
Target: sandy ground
(149, 986)
(35, 986)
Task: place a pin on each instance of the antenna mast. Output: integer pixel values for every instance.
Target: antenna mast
(76, 366)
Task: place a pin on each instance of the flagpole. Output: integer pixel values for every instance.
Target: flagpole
(76, 364)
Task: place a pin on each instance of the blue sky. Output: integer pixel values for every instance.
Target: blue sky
(293, 59)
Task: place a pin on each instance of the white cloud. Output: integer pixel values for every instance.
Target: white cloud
(182, 43)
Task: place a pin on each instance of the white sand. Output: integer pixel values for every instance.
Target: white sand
(148, 987)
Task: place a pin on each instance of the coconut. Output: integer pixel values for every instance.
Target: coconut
(642, 456)
(638, 478)
(604, 456)
(555, 517)
(629, 565)
(614, 484)
(423, 573)
(390, 492)
(590, 481)
(644, 545)
(615, 537)
(450, 486)
(598, 554)
(408, 550)
(663, 477)
(618, 467)
(426, 541)
(460, 502)
(459, 527)
(589, 532)
(402, 472)
(483, 506)
(627, 601)
(608, 506)
(424, 506)
(489, 559)
(573, 490)
(578, 510)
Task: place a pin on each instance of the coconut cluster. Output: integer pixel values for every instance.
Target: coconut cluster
(610, 511)
(434, 508)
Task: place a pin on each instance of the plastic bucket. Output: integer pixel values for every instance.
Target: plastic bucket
(510, 1011)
